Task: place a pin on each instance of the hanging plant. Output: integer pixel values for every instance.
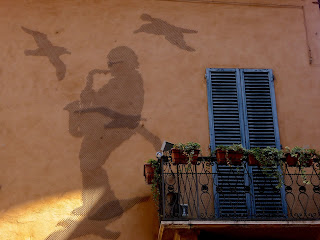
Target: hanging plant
(305, 156)
(156, 180)
(148, 172)
(253, 155)
(302, 158)
(268, 159)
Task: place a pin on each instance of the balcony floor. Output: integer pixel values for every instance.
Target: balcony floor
(248, 230)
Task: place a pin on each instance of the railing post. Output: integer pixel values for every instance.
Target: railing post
(197, 191)
(178, 191)
(162, 191)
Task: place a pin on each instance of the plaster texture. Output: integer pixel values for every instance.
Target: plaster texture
(40, 171)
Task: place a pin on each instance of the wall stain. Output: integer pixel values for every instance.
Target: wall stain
(105, 118)
(172, 33)
(47, 49)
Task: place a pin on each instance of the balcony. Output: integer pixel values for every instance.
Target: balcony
(208, 196)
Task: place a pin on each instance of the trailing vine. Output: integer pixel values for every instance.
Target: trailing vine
(305, 158)
(269, 159)
(156, 182)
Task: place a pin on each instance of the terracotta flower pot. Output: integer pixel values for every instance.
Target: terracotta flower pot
(221, 157)
(309, 163)
(148, 173)
(234, 157)
(291, 161)
(179, 158)
(252, 161)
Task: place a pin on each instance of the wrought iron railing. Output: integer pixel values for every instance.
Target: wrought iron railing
(208, 191)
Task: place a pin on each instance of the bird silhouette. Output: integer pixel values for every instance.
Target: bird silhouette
(172, 33)
(95, 224)
(47, 49)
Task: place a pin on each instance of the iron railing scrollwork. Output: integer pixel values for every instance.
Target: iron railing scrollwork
(208, 191)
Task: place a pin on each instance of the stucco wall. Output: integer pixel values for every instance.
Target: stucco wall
(40, 175)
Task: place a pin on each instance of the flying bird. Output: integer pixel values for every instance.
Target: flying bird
(47, 49)
(172, 33)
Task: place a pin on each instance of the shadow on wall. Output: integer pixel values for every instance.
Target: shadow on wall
(105, 119)
(172, 33)
(46, 49)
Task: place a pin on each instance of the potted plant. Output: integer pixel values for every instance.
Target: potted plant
(265, 157)
(185, 153)
(252, 156)
(148, 171)
(231, 155)
(291, 160)
(234, 154)
(268, 160)
(156, 182)
(300, 156)
(221, 152)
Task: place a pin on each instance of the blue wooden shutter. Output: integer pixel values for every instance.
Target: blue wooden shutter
(231, 195)
(260, 111)
(224, 107)
(268, 201)
(227, 128)
(242, 110)
(261, 130)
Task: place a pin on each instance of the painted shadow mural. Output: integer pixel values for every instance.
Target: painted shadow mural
(47, 49)
(105, 119)
(173, 34)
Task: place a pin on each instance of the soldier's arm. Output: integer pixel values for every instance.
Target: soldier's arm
(88, 94)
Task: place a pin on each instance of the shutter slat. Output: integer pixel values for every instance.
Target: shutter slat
(259, 92)
(232, 198)
(233, 96)
(268, 201)
(225, 107)
(261, 131)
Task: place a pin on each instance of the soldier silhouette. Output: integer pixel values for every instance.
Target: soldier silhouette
(172, 33)
(47, 49)
(105, 119)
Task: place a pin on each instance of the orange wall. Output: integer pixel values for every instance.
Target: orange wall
(40, 178)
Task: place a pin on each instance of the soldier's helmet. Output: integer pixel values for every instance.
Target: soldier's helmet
(123, 56)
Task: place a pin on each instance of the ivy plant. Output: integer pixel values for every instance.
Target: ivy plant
(269, 160)
(304, 157)
(156, 181)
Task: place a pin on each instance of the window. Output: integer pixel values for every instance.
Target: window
(242, 110)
